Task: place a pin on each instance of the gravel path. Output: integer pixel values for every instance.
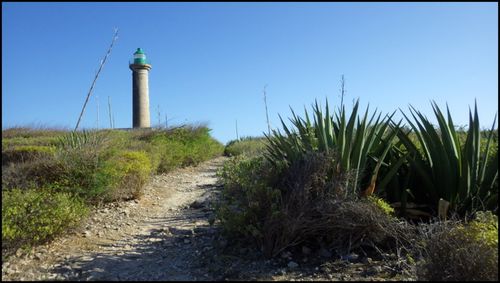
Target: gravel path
(159, 237)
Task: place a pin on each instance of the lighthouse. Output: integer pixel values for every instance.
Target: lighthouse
(140, 90)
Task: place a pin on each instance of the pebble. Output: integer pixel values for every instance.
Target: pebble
(176, 231)
(349, 257)
(373, 270)
(196, 204)
(86, 258)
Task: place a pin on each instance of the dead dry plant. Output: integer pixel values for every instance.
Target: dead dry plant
(316, 208)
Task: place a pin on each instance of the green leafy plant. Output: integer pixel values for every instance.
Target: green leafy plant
(250, 146)
(445, 167)
(35, 216)
(125, 175)
(355, 140)
(387, 208)
(247, 199)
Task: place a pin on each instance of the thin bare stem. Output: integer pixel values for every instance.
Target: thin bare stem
(97, 101)
(267, 114)
(237, 137)
(109, 111)
(342, 91)
(115, 36)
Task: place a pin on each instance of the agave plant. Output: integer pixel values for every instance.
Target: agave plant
(448, 168)
(354, 139)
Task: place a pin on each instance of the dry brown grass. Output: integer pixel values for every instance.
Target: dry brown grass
(317, 208)
(452, 255)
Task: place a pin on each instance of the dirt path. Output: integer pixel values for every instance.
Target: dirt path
(159, 237)
(166, 236)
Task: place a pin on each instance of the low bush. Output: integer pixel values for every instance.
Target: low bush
(26, 153)
(81, 174)
(125, 175)
(458, 251)
(250, 146)
(33, 131)
(42, 171)
(180, 147)
(306, 203)
(36, 216)
(247, 200)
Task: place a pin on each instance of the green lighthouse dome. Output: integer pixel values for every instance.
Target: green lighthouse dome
(139, 57)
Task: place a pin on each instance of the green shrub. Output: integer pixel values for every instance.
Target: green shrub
(80, 175)
(456, 166)
(247, 200)
(180, 147)
(171, 155)
(26, 153)
(250, 146)
(35, 131)
(36, 216)
(382, 204)
(454, 251)
(124, 175)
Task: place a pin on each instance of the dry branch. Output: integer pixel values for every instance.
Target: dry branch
(115, 36)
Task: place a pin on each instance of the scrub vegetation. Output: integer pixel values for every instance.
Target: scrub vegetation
(333, 182)
(365, 183)
(51, 178)
(249, 146)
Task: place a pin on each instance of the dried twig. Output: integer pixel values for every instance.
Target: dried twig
(115, 36)
(342, 91)
(109, 110)
(267, 115)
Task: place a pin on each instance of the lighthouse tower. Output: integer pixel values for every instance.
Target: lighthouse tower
(140, 90)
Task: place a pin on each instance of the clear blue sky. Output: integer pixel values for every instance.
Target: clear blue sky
(211, 61)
